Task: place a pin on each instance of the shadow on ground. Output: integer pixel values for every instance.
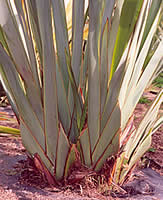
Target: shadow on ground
(145, 185)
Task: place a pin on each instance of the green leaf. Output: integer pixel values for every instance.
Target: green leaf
(17, 52)
(152, 150)
(104, 66)
(113, 94)
(154, 8)
(70, 160)
(2, 39)
(63, 105)
(61, 36)
(129, 15)
(77, 37)
(33, 147)
(108, 143)
(144, 100)
(143, 54)
(84, 72)
(111, 150)
(76, 105)
(9, 130)
(25, 110)
(77, 98)
(34, 23)
(135, 95)
(49, 79)
(26, 35)
(6, 87)
(140, 139)
(95, 14)
(63, 148)
(85, 147)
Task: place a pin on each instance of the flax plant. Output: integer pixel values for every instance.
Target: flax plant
(74, 94)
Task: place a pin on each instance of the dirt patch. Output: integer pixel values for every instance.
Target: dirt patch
(154, 158)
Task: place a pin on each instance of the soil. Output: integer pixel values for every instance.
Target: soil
(19, 179)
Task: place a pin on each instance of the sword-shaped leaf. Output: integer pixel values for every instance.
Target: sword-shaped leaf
(95, 14)
(9, 130)
(104, 66)
(33, 147)
(27, 114)
(108, 143)
(18, 54)
(61, 36)
(128, 18)
(135, 95)
(26, 34)
(133, 51)
(141, 139)
(49, 78)
(154, 8)
(113, 29)
(142, 56)
(77, 37)
(63, 148)
(85, 147)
